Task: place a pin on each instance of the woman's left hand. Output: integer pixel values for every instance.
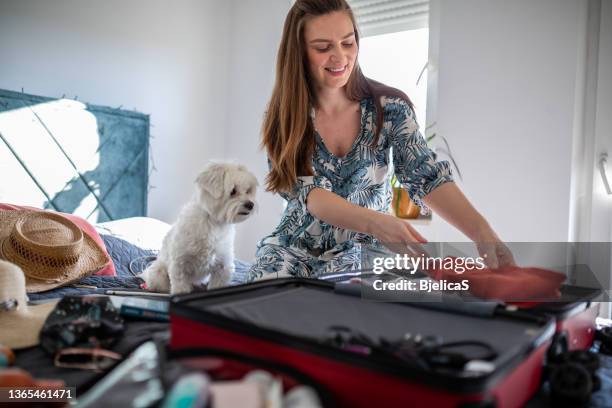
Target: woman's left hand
(495, 253)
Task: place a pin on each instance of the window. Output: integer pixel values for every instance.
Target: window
(394, 46)
(397, 59)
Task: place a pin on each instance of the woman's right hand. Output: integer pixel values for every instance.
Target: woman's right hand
(395, 233)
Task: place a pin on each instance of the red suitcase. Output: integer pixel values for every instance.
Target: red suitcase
(289, 321)
(575, 314)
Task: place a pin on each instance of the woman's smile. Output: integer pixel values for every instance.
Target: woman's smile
(337, 71)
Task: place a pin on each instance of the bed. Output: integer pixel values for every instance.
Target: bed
(132, 244)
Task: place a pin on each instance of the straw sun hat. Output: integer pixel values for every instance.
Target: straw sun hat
(50, 249)
(20, 323)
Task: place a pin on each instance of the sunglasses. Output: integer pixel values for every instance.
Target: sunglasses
(8, 305)
(96, 359)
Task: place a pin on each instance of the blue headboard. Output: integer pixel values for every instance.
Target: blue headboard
(73, 157)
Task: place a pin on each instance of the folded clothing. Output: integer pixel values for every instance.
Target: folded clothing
(509, 283)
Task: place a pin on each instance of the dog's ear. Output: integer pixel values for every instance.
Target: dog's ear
(211, 180)
(249, 177)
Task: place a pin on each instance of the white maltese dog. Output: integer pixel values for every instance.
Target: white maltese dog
(201, 241)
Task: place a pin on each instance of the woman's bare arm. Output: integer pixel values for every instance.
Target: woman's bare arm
(449, 203)
(447, 200)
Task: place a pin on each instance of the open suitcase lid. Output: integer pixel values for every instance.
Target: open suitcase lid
(299, 313)
(574, 299)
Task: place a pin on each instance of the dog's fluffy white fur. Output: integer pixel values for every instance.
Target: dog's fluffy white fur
(201, 241)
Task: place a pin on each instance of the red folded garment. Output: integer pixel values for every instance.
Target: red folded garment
(508, 284)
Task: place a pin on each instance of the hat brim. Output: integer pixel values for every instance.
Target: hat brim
(22, 329)
(91, 258)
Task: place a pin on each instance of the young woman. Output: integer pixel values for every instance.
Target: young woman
(332, 136)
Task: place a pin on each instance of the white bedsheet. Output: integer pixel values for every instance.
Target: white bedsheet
(144, 232)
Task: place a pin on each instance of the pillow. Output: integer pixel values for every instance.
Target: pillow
(109, 269)
(124, 254)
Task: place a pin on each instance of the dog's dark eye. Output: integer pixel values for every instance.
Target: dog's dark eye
(233, 193)
(249, 190)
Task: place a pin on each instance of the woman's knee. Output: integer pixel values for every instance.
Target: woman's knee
(273, 261)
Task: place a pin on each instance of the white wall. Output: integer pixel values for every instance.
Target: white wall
(203, 70)
(166, 59)
(601, 217)
(256, 34)
(601, 214)
(505, 83)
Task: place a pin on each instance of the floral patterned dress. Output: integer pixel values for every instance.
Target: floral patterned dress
(304, 246)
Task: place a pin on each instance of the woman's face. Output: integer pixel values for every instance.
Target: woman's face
(331, 49)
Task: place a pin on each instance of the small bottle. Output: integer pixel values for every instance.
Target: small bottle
(7, 357)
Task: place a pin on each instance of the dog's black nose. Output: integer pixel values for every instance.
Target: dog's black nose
(249, 205)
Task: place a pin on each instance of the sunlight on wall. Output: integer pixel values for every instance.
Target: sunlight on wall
(28, 131)
(396, 60)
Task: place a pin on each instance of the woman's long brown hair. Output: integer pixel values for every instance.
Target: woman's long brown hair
(288, 132)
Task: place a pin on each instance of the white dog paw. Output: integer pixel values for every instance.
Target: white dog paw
(178, 288)
(220, 278)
